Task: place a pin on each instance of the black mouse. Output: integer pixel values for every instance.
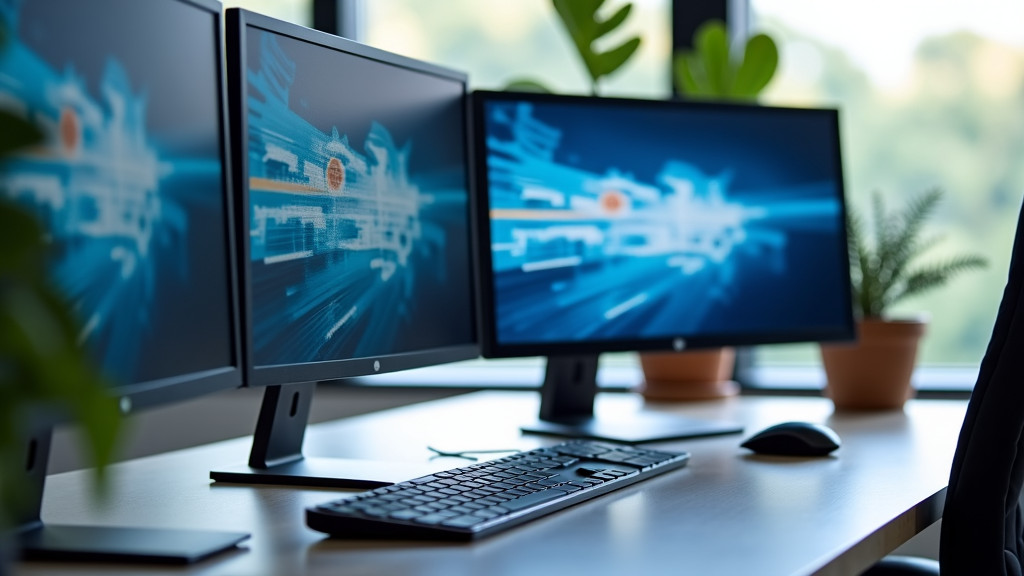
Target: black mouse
(794, 439)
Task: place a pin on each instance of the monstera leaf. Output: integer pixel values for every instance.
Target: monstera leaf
(585, 27)
(580, 20)
(710, 71)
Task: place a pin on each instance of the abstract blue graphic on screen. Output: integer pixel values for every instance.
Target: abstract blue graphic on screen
(129, 193)
(638, 222)
(355, 250)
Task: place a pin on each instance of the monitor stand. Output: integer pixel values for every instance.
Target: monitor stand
(276, 456)
(37, 540)
(567, 409)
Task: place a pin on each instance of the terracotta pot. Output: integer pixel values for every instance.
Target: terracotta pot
(690, 375)
(874, 373)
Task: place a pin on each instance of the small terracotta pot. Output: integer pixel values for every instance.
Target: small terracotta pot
(690, 375)
(874, 373)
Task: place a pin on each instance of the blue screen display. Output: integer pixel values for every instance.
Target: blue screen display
(129, 180)
(358, 206)
(624, 221)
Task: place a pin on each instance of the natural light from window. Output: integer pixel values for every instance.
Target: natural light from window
(930, 96)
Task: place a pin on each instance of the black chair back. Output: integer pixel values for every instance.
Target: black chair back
(982, 520)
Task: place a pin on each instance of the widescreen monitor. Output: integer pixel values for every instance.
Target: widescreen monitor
(354, 224)
(611, 224)
(131, 186)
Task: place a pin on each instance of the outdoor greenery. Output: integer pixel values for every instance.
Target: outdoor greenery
(44, 372)
(883, 264)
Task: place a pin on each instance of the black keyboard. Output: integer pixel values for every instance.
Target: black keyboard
(484, 498)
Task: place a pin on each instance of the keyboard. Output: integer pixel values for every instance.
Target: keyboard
(487, 497)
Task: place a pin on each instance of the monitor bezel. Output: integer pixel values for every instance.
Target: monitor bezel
(237, 21)
(491, 347)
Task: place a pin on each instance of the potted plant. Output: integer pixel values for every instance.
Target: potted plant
(874, 372)
(43, 368)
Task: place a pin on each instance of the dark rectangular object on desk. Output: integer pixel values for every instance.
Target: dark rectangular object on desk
(489, 497)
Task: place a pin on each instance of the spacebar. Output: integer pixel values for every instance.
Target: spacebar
(533, 499)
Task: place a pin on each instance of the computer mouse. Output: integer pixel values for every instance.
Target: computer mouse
(794, 439)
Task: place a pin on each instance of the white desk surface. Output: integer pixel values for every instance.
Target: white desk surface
(728, 512)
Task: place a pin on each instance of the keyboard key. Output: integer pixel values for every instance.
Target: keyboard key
(405, 514)
(463, 521)
(534, 499)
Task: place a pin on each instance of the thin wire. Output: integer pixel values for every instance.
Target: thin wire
(465, 453)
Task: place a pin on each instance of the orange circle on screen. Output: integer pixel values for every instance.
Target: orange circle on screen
(70, 136)
(612, 201)
(335, 175)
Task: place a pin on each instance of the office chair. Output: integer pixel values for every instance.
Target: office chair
(983, 523)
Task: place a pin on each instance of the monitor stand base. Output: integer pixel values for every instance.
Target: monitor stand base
(639, 428)
(328, 473)
(113, 544)
(567, 409)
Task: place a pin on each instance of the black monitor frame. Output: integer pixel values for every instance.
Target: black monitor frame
(569, 388)
(276, 456)
(38, 540)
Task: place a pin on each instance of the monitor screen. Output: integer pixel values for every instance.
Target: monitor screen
(355, 210)
(130, 182)
(617, 224)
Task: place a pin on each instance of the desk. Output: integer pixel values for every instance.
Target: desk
(728, 512)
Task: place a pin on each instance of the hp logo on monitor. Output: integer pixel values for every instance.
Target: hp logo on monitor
(678, 344)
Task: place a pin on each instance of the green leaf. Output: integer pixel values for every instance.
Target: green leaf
(17, 133)
(684, 79)
(577, 17)
(580, 20)
(713, 50)
(610, 61)
(22, 239)
(710, 71)
(936, 275)
(760, 60)
(527, 85)
(613, 22)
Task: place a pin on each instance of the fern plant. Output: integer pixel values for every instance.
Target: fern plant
(885, 271)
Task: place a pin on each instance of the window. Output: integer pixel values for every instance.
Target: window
(930, 97)
(297, 11)
(497, 41)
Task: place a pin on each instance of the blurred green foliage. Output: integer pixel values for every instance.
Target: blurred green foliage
(587, 28)
(44, 371)
(712, 70)
(885, 253)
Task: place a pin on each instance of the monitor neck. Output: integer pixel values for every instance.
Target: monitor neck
(281, 426)
(32, 478)
(569, 389)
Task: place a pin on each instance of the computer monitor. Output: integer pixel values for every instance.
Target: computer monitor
(131, 186)
(354, 229)
(612, 224)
